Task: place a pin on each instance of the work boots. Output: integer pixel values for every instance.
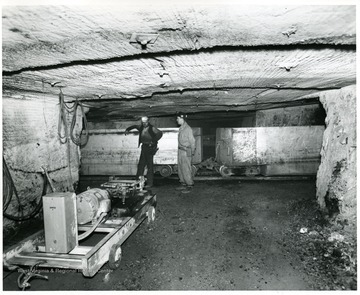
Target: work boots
(181, 187)
(187, 189)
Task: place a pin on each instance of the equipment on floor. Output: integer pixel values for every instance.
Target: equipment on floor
(119, 188)
(116, 210)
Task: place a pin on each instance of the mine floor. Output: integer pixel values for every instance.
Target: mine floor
(227, 234)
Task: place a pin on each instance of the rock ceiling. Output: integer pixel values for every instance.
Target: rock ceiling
(124, 61)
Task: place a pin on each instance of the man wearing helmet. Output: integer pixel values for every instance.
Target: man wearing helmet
(148, 138)
(186, 150)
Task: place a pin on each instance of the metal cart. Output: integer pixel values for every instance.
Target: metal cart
(87, 259)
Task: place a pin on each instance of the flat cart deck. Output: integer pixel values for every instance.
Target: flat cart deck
(87, 259)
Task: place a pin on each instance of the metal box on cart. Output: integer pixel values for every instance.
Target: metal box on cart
(60, 222)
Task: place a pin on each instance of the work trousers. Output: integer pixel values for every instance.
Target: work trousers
(184, 168)
(146, 160)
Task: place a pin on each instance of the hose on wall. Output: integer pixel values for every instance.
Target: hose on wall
(77, 139)
(11, 190)
(65, 137)
(62, 122)
(8, 187)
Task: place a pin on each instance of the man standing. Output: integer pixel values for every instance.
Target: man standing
(148, 138)
(186, 150)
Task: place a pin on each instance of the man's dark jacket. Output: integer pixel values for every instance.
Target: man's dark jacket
(154, 135)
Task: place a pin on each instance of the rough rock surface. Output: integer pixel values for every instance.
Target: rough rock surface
(205, 57)
(64, 34)
(336, 178)
(31, 142)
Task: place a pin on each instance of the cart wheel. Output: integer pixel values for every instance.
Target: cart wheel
(151, 214)
(225, 171)
(165, 170)
(115, 256)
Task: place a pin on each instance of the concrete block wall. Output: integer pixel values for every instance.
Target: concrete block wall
(30, 142)
(336, 177)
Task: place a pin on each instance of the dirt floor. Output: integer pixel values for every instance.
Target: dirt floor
(224, 235)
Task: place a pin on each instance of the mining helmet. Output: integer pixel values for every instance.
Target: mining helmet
(181, 115)
(144, 119)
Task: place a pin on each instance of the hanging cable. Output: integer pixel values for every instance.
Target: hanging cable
(77, 140)
(89, 231)
(62, 119)
(70, 179)
(23, 217)
(65, 138)
(63, 122)
(69, 109)
(10, 182)
(7, 189)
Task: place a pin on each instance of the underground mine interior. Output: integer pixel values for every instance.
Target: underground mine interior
(261, 197)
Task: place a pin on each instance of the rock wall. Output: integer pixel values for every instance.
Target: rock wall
(30, 142)
(306, 115)
(336, 178)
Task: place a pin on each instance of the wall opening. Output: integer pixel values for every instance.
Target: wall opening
(210, 121)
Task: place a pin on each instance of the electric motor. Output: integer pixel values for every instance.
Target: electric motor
(89, 204)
